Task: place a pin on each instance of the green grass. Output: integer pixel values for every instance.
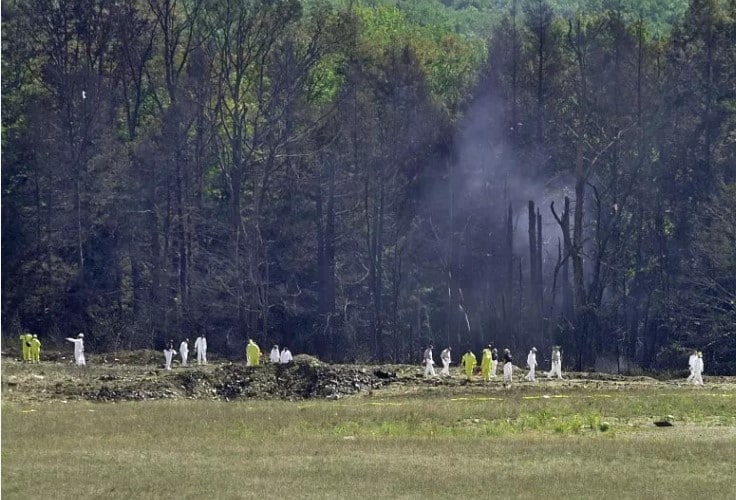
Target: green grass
(519, 445)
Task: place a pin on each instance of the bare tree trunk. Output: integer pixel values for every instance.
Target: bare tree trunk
(533, 303)
(540, 275)
(507, 306)
(326, 259)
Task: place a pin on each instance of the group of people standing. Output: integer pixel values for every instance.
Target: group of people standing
(283, 356)
(489, 363)
(555, 362)
(30, 348)
(200, 349)
(31, 353)
(253, 354)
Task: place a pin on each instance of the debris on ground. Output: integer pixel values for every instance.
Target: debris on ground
(131, 378)
(139, 375)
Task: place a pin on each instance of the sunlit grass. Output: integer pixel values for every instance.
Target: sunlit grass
(399, 447)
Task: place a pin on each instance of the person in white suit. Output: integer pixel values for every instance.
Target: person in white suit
(428, 362)
(445, 357)
(556, 368)
(275, 355)
(184, 351)
(531, 362)
(78, 349)
(494, 362)
(691, 362)
(200, 347)
(698, 377)
(169, 354)
(508, 368)
(285, 356)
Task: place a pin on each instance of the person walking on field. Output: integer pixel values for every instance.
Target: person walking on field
(78, 349)
(556, 368)
(485, 363)
(494, 362)
(428, 362)
(35, 349)
(252, 354)
(286, 356)
(469, 361)
(275, 355)
(200, 348)
(698, 377)
(445, 357)
(184, 351)
(691, 362)
(531, 362)
(508, 367)
(169, 354)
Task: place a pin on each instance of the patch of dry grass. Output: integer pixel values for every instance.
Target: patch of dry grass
(399, 447)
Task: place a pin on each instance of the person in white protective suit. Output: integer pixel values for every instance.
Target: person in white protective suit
(275, 355)
(200, 348)
(445, 357)
(691, 362)
(494, 362)
(531, 362)
(184, 351)
(508, 368)
(698, 377)
(556, 368)
(428, 362)
(78, 349)
(285, 356)
(169, 354)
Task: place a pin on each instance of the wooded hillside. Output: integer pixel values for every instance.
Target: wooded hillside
(357, 179)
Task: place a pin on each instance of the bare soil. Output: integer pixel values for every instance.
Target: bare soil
(139, 375)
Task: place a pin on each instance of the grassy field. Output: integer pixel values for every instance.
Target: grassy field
(522, 444)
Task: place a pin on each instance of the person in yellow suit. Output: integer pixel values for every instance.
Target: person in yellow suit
(24, 347)
(485, 364)
(252, 354)
(29, 347)
(468, 361)
(35, 349)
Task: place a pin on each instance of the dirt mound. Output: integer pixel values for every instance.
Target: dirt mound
(139, 375)
(128, 378)
(306, 377)
(610, 377)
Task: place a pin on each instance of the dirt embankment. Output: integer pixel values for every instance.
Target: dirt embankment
(116, 379)
(138, 375)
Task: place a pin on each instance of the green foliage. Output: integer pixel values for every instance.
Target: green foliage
(477, 17)
(449, 61)
(326, 79)
(338, 174)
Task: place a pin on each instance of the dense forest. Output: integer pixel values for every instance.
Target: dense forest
(356, 179)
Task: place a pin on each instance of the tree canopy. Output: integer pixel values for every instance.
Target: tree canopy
(357, 179)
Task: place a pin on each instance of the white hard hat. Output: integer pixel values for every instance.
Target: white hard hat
(80, 335)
